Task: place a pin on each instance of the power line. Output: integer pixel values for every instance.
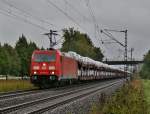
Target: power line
(92, 15)
(68, 16)
(27, 13)
(12, 15)
(77, 11)
(96, 26)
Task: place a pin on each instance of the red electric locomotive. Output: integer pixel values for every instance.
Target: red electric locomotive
(50, 66)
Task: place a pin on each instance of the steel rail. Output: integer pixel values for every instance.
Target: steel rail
(53, 106)
(48, 99)
(18, 93)
(8, 95)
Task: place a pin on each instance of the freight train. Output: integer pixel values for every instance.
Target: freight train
(50, 67)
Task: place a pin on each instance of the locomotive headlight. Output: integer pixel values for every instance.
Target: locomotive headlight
(35, 72)
(51, 67)
(36, 67)
(53, 72)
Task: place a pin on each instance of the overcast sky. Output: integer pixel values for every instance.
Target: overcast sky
(35, 17)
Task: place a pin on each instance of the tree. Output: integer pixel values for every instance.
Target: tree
(13, 65)
(4, 62)
(145, 72)
(42, 48)
(16, 61)
(9, 60)
(21, 48)
(1, 59)
(81, 44)
(24, 50)
(99, 56)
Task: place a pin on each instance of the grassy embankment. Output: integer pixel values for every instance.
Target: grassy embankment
(130, 99)
(13, 85)
(146, 85)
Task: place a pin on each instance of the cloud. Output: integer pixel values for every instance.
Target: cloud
(133, 15)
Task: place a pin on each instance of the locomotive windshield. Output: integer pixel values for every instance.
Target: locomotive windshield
(44, 57)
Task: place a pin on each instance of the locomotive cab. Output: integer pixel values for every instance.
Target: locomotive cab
(45, 67)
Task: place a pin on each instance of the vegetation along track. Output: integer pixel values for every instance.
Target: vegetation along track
(50, 102)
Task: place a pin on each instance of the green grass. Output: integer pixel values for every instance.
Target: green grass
(146, 85)
(130, 99)
(13, 85)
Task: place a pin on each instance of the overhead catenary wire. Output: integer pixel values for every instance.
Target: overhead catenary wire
(36, 17)
(25, 16)
(27, 13)
(92, 15)
(76, 10)
(13, 15)
(66, 14)
(96, 26)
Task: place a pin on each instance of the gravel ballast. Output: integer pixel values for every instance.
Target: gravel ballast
(83, 105)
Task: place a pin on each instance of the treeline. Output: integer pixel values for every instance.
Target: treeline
(145, 72)
(80, 43)
(16, 60)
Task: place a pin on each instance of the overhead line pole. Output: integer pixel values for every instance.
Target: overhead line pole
(126, 49)
(125, 45)
(132, 49)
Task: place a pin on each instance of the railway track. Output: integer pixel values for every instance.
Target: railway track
(15, 94)
(70, 98)
(18, 93)
(47, 103)
(19, 99)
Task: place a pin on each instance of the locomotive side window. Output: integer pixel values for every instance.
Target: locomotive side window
(44, 57)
